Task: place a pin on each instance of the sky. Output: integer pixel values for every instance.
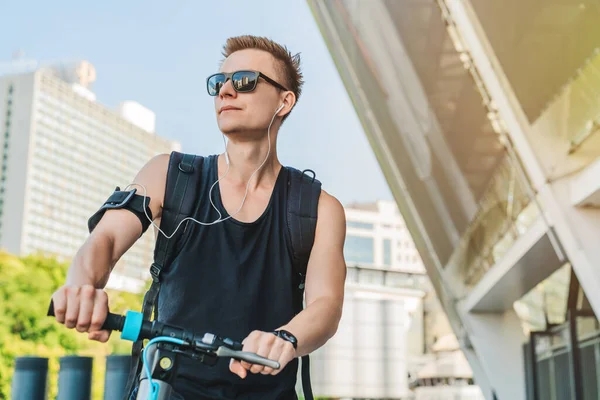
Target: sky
(159, 54)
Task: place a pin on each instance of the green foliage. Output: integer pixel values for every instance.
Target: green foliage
(26, 285)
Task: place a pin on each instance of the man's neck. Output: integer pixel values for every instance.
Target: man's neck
(245, 157)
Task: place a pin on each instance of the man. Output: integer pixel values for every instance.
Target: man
(231, 277)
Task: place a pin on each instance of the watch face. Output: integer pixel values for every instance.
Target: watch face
(289, 337)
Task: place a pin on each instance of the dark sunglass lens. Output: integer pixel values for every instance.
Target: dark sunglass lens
(244, 81)
(215, 83)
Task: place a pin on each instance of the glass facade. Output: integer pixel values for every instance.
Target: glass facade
(546, 303)
(360, 225)
(387, 252)
(359, 250)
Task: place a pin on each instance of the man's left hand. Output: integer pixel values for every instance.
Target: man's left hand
(267, 345)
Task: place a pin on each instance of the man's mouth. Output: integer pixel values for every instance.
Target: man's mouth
(228, 108)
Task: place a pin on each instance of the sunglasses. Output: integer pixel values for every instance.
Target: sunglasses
(242, 81)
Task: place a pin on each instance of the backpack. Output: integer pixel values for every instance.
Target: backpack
(301, 216)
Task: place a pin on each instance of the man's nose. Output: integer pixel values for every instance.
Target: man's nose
(227, 89)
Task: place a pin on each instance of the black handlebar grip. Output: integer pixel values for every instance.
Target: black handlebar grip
(51, 309)
(113, 322)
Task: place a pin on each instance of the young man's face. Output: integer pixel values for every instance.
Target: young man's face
(248, 111)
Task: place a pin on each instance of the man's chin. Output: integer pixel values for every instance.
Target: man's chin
(230, 129)
(231, 132)
(236, 129)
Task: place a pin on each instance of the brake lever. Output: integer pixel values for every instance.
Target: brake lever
(225, 347)
(246, 356)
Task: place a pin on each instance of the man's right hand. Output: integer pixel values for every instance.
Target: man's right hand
(84, 308)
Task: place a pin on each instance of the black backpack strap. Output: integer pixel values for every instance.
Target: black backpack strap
(174, 210)
(302, 206)
(176, 207)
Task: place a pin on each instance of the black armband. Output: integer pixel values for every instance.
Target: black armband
(127, 200)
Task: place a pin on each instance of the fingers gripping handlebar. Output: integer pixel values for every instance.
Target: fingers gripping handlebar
(133, 327)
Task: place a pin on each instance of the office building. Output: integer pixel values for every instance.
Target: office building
(63, 154)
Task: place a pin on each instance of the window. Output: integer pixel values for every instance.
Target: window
(387, 252)
(359, 250)
(359, 225)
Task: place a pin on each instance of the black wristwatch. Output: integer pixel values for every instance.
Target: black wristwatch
(285, 335)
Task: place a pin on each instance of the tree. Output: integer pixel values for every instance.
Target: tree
(26, 284)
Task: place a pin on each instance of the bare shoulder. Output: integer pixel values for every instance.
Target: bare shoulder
(328, 204)
(332, 217)
(151, 181)
(158, 163)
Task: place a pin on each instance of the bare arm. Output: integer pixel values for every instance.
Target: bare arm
(325, 279)
(118, 230)
(81, 302)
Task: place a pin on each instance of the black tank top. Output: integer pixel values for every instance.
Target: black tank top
(229, 279)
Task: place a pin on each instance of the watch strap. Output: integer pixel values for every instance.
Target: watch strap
(285, 335)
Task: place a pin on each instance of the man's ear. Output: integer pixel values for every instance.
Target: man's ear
(289, 101)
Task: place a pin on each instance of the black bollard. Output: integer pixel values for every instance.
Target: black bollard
(29, 379)
(115, 380)
(75, 378)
